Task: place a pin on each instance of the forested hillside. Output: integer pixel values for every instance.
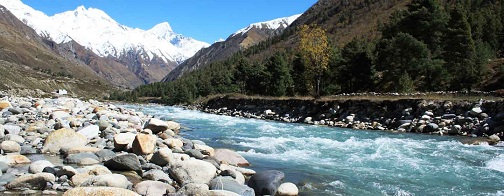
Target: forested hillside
(428, 45)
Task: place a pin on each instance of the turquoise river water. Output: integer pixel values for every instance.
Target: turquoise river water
(334, 161)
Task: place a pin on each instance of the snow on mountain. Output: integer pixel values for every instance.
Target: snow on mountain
(97, 31)
(272, 24)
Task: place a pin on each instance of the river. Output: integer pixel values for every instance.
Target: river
(335, 161)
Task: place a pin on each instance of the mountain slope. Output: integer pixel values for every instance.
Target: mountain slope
(149, 54)
(108, 68)
(343, 21)
(239, 40)
(27, 63)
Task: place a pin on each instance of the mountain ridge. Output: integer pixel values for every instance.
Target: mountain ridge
(27, 62)
(109, 37)
(241, 39)
(147, 54)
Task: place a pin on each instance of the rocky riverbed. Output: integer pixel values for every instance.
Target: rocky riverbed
(55, 146)
(483, 119)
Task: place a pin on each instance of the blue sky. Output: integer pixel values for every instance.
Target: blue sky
(205, 20)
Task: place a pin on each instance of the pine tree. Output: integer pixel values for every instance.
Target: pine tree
(460, 51)
(402, 54)
(280, 80)
(425, 20)
(356, 73)
(298, 76)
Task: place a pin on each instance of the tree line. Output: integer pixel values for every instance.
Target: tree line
(432, 45)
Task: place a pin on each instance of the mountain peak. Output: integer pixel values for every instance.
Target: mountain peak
(272, 24)
(96, 30)
(80, 9)
(161, 29)
(90, 12)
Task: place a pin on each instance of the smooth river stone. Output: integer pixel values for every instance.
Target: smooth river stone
(105, 191)
(63, 138)
(32, 181)
(108, 180)
(127, 162)
(230, 157)
(153, 188)
(156, 125)
(266, 182)
(193, 171)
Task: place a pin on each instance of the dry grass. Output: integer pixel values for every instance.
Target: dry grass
(426, 96)
(23, 77)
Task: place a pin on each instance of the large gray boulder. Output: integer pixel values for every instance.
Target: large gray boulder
(32, 181)
(153, 188)
(63, 138)
(156, 125)
(108, 180)
(229, 184)
(266, 182)
(193, 171)
(126, 162)
(163, 157)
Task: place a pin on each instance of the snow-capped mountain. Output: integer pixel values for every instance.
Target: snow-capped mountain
(95, 30)
(279, 23)
(243, 38)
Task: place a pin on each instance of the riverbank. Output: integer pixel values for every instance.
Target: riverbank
(324, 160)
(482, 119)
(68, 146)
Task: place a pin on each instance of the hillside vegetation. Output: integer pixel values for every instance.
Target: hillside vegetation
(422, 45)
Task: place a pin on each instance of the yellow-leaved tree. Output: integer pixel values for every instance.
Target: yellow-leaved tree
(315, 54)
